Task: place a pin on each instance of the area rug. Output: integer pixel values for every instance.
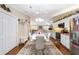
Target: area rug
(29, 49)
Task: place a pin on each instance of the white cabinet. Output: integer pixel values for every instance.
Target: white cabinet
(8, 32)
(65, 40)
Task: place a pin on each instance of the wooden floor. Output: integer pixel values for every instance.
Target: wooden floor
(15, 50)
(64, 50)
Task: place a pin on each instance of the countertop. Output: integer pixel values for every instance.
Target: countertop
(68, 34)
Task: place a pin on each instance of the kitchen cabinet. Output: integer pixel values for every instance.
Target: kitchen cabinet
(65, 40)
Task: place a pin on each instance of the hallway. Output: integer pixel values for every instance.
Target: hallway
(39, 29)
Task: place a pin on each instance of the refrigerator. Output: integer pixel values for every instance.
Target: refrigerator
(75, 36)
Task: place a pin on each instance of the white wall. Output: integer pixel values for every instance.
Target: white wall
(23, 31)
(26, 30)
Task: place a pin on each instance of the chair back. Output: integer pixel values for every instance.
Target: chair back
(40, 42)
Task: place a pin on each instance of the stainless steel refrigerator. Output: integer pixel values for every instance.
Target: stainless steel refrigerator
(75, 36)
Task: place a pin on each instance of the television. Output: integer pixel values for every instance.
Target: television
(61, 25)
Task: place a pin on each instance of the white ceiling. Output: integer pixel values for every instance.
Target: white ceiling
(45, 10)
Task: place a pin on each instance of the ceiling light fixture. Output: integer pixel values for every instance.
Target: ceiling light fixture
(37, 12)
(39, 20)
